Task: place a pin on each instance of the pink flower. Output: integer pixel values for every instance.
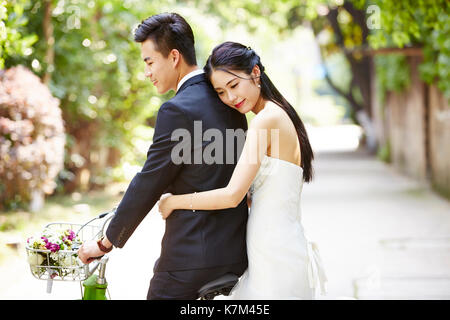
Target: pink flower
(53, 247)
(71, 235)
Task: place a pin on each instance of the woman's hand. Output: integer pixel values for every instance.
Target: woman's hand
(163, 205)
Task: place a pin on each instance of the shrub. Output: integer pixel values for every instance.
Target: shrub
(31, 139)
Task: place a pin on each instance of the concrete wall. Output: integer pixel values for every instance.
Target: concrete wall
(416, 123)
(439, 140)
(379, 117)
(407, 126)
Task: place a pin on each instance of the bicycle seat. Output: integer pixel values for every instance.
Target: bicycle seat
(221, 285)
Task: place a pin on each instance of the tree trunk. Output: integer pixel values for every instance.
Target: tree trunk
(49, 40)
(37, 200)
(360, 70)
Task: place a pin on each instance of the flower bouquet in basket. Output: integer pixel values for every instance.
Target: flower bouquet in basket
(53, 253)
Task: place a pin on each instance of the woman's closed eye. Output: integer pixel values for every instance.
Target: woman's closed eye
(232, 87)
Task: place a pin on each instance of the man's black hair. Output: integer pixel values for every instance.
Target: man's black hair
(168, 31)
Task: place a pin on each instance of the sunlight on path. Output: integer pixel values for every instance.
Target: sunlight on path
(334, 138)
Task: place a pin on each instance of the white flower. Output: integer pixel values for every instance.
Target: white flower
(35, 259)
(67, 261)
(54, 256)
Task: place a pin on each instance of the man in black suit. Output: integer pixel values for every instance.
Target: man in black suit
(198, 246)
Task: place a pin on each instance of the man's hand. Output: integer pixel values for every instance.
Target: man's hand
(88, 250)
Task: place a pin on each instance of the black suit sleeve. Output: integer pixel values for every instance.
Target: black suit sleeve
(153, 180)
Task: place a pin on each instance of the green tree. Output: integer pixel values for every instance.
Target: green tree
(347, 27)
(86, 55)
(339, 27)
(424, 24)
(13, 42)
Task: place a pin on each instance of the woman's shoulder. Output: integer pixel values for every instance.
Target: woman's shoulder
(269, 117)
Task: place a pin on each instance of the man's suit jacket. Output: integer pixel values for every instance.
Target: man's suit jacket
(192, 240)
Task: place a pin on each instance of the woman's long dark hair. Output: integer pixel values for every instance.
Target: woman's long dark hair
(235, 56)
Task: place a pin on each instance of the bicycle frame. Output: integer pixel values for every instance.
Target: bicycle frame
(96, 286)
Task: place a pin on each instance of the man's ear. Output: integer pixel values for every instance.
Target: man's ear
(175, 57)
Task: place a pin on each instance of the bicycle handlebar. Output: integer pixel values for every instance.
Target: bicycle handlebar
(103, 259)
(100, 216)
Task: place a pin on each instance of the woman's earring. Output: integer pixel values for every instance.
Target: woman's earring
(259, 86)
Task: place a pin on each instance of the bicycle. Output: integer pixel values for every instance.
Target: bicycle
(64, 265)
(220, 286)
(95, 285)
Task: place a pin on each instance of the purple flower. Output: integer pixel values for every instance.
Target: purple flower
(45, 239)
(71, 235)
(53, 247)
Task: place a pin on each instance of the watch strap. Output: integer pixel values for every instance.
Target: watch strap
(102, 247)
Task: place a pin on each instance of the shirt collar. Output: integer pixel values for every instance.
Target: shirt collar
(188, 76)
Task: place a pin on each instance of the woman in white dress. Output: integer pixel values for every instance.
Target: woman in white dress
(275, 161)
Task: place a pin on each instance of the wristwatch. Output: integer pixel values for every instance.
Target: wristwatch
(102, 247)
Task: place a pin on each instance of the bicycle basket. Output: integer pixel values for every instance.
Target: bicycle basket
(59, 262)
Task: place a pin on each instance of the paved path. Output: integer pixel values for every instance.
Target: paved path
(381, 235)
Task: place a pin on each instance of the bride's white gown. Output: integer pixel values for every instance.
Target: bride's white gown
(282, 263)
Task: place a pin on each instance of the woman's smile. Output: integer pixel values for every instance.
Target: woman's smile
(239, 104)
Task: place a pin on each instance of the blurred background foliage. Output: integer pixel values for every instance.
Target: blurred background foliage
(83, 50)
